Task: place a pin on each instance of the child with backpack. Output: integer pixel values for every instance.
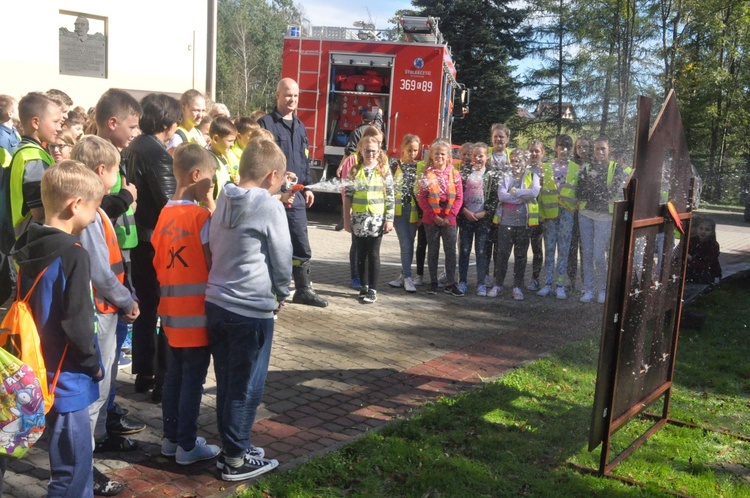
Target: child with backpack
(63, 311)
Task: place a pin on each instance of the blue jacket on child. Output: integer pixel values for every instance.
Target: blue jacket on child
(63, 310)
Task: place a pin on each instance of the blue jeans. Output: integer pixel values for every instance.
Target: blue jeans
(476, 232)
(595, 243)
(122, 333)
(71, 456)
(557, 235)
(406, 232)
(258, 377)
(236, 342)
(183, 389)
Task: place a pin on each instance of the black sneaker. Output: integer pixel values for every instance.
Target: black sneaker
(251, 467)
(254, 452)
(116, 444)
(432, 289)
(371, 296)
(453, 290)
(122, 425)
(104, 486)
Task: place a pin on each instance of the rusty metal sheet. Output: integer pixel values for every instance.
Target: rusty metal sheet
(640, 328)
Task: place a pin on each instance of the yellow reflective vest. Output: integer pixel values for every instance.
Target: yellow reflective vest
(532, 206)
(398, 184)
(610, 177)
(5, 158)
(127, 236)
(369, 193)
(193, 136)
(221, 176)
(552, 196)
(26, 152)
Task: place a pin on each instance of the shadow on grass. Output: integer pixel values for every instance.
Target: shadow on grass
(510, 438)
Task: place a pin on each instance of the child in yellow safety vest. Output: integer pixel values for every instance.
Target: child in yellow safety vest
(600, 183)
(407, 215)
(182, 261)
(499, 164)
(557, 207)
(246, 127)
(536, 239)
(223, 133)
(193, 105)
(369, 196)
(343, 172)
(517, 211)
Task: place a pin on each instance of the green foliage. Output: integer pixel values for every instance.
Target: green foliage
(712, 80)
(484, 36)
(520, 435)
(248, 59)
(602, 54)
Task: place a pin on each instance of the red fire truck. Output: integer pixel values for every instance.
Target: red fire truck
(343, 72)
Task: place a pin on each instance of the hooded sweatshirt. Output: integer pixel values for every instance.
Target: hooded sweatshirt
(63, 311)
(251, 252)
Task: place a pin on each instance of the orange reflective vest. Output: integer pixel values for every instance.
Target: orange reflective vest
(182, 273)
(115, 263)
(433, 190)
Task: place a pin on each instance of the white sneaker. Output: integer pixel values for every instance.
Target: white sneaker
(399, 282)
(601, 298)
(517, 294)
(199, 452)
(545, 291)
(418, 280)
(409, 285)
(482, 290)
(560, 292)
(587, 297)
(168, 448)
(494, 291)
(442, 279)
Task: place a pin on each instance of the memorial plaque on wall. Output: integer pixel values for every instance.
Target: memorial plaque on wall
(83, 51)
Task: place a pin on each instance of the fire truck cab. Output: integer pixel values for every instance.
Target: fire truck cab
(343, 72)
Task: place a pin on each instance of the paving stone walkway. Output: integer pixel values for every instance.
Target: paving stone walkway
(339, 372)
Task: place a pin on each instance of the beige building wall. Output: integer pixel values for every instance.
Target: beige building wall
(152, 46)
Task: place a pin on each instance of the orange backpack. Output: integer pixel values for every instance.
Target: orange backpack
(20, 336)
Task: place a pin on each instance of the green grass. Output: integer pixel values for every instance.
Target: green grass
(519, 435)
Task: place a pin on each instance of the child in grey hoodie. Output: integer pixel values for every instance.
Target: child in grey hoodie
(251, 270)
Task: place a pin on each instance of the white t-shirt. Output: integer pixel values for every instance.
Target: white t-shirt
(474, 192)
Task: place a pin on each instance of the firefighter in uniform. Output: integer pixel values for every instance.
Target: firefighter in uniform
(291, 137)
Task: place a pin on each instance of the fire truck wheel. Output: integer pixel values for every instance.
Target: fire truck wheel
(359, 87)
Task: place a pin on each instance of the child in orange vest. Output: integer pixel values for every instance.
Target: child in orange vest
(440, 195)
(182, 261)
(112, 294)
